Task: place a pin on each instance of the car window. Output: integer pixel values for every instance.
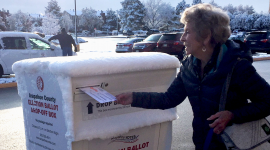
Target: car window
(127, 40)
(257, 35)
(153, 38)
(38, 44)
(139, 40)
(168, 37)
(14, 42)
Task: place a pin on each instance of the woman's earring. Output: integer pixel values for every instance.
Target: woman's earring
(204, 49)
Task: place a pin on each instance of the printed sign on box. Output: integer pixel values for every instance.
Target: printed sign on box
(43, 114)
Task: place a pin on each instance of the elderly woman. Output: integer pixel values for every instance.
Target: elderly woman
(210, 57)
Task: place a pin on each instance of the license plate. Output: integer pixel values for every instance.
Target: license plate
(253, 43)
(164, 45)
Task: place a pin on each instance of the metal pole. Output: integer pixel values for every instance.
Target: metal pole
(117, 21)
(76, 23)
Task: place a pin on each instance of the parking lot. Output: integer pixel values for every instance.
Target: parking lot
(11, 122)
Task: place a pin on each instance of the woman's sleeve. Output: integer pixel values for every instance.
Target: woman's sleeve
(175, 94)
(255, 88)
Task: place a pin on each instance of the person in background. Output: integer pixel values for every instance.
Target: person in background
(210, 57)
(66, 41)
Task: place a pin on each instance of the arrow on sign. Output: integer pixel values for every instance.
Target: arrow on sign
(90, 108)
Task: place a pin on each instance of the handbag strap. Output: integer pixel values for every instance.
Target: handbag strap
(225, 88)
(222, 103)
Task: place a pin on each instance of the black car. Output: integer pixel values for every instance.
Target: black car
(258, 41)
(170, 43)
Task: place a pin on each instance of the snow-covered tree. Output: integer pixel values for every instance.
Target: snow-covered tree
(37, 24)
(66, 22)
(230, 8)
(249, 9)
(196, 2)
(242, 21)
(159, 13)
(111, 20)
(168, 16)
(212, 2)
(132, 14)
(240, 8)
(181, 7)
(90, 20)
(53, 8)
(262, 22)
(50, 24)
(2, 25)
(20, 22)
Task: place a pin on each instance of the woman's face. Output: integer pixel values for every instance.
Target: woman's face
(193, 47)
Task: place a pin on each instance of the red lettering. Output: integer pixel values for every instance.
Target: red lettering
(137, 147)
(134, 147)
(35, 110)
(143, 145)
(52, 114)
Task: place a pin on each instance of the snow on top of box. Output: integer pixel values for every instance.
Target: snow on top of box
(97, 64)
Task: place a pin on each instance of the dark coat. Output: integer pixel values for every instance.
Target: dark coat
(204, 94)
(65, 40)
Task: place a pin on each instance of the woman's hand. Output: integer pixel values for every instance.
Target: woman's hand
(222, 118)
(124, 98)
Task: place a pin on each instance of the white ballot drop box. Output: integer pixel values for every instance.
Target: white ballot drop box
(58, 115)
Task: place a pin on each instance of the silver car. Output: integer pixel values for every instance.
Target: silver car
(126, 45)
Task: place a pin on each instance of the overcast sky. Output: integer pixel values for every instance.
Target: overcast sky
(38, 6)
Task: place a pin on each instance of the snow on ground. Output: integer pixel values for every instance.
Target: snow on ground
(7, 79)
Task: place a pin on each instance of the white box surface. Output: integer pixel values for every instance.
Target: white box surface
(58, 115)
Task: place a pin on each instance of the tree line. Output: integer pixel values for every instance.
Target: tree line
(134, 15)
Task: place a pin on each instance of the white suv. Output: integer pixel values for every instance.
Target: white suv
(15, 46)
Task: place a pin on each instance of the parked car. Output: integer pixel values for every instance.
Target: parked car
(114, 32)
(152, 31)
(149, 44)
(258, 41)
(126, 45)
(128, 32)
(238, 36)
(170, 43)
(177, 30)
(15, 46)
(85, 32)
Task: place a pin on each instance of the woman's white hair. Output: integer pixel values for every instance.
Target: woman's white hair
(207, 19)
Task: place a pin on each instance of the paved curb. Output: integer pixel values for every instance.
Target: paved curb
(7, 85)
(261, 58)
(14, 84)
